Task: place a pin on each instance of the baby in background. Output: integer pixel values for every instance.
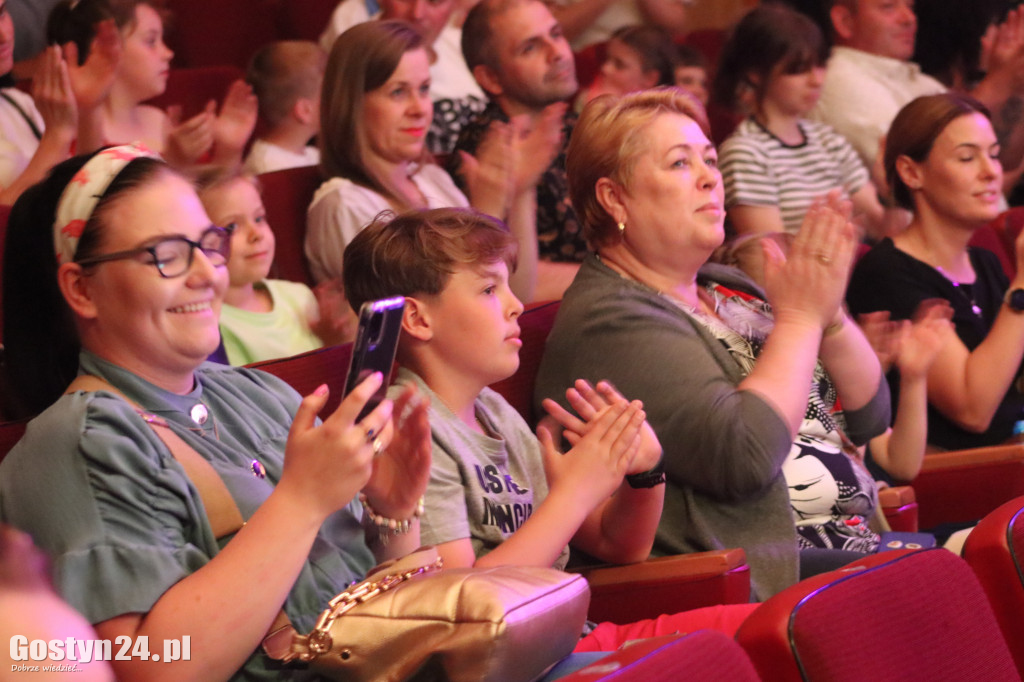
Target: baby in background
(286, 77)
(263, 318)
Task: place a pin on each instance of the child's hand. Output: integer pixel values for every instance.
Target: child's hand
(588, 401)
(596, 465)
(235, 122)
(883, 334)
(92, 80)
(336, 322)
(189, 140)
(921, 342)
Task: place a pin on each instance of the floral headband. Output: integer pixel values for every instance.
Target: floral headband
(80, 197)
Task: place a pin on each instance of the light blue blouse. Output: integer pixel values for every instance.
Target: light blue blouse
(101, 494)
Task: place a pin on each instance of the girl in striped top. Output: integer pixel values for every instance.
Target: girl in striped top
(777, 163)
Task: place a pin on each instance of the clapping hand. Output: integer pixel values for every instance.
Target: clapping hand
(588, 401)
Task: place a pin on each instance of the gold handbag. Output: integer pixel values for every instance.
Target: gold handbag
(412, 620)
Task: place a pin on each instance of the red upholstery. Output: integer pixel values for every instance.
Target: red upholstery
(709, 41)
(10, 433)
(964, 485)
(588, 63)
(534, 326)
(893, 616)
(625, 594)
(225, 32)
(193, 88)
(306, 371)
(999, 236)
(304, 19)
(702, 656)
(286, 195)
(995, 550)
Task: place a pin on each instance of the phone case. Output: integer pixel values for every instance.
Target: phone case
(380, 323)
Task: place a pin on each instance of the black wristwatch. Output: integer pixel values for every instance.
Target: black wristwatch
(1015, 299)
(648, 479)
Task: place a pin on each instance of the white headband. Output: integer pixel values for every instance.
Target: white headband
(80, 197)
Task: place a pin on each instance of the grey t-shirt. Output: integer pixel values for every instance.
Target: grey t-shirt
(482, 488)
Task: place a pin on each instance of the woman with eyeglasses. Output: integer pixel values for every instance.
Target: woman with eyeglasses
(124, 289)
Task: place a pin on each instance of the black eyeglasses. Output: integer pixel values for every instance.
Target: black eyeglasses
(173, 256)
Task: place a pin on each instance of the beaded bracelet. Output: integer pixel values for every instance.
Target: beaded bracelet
(387, 526)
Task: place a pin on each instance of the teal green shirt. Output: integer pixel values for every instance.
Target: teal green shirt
(100, 493)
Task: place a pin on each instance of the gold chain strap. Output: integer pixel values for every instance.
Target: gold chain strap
(319, 640)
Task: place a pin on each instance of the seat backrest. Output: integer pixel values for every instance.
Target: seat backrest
(962, 486)
(305, 19)
(286, 196)
(193, 88)
(701, 656)
(588, 63)
(225, 32)
(995, 550)
(10, 434)
(534, 326)
(306, 371)
(910, 615)
(999, 236)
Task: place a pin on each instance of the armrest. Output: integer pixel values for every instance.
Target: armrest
(624, 594)
(704, 654)
(899, 504)
(990, 456)
(962, 486)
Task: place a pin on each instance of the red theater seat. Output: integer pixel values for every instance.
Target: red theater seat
(286, 196)
(890, 616)
(995, 550)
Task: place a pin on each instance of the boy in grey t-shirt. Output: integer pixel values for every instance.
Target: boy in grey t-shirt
(498, 494)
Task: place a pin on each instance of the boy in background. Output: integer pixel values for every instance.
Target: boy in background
(286, 76)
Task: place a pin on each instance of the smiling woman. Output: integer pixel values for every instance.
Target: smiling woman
(375, 111)
(942, 161)
(723, 376)
(125, 288)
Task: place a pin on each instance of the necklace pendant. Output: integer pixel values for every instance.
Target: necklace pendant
(199, 414)
(257, 469)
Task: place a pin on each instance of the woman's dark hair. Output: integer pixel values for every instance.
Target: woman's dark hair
(914, 130)
(75, 22)
(769, 36)
(949, 32)
(655, 48)
(41, 342)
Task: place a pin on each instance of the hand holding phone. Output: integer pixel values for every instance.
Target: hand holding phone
(380, 323)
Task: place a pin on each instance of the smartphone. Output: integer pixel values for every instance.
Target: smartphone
(376, 342)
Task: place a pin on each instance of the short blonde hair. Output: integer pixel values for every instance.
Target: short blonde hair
(605, 144)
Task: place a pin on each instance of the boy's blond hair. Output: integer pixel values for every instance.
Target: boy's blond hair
(282, 72)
